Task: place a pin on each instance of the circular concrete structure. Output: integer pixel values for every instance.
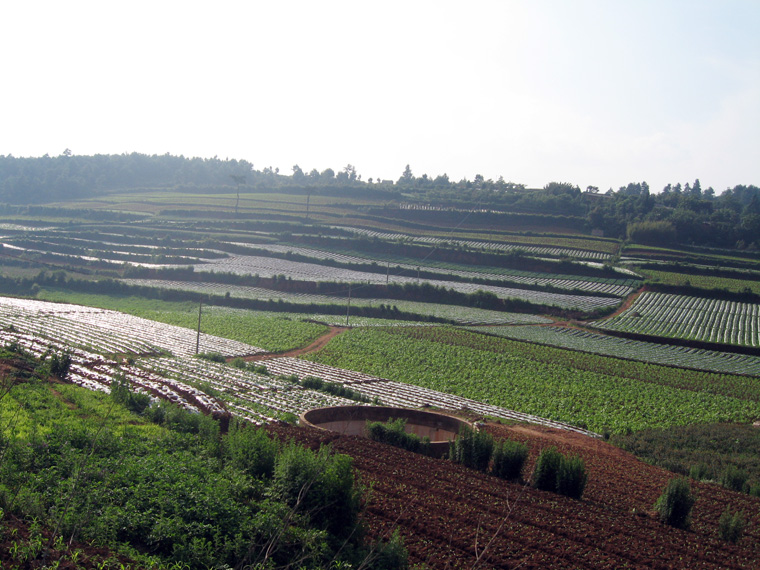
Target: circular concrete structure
(352, 420)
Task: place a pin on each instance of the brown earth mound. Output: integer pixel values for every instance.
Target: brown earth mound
(453, 517)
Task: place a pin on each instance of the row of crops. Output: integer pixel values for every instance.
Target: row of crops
(669, 355)
(456, 313)
(271, 267)
(89, 251)
(505, 247)
(619, 287)
(688, 317)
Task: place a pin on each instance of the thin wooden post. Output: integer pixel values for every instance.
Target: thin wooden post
(198, 338)
(348, 304)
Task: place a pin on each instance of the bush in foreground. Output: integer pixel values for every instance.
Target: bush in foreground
(572, 477)
(508, 459)
(675, 504)
(472, 448)
(560, 474)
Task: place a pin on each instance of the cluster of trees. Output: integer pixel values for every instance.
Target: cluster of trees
(680, 214)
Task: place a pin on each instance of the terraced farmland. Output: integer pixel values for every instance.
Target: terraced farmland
(670, 355)
(272, 267)
(618, 287)
(533, 250)
(455, 313)
(200, 385)
(687, 317)
(560, 385)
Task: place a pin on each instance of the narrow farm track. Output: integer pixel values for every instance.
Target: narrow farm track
(314, 346)
(448, 514)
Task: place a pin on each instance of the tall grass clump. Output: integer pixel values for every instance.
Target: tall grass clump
(734, 478)
(675, 504)
(560, 474)
(508, 459)
(472, 448)
(545, 471)
(572, 477)
(731, 526)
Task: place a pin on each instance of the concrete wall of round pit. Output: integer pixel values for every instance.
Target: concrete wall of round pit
(351, 420)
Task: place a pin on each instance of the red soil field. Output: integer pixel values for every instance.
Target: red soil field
(452, 517)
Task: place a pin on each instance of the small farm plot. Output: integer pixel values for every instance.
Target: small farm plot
(403, 395)
(109, 332)
(179, 341)
(533, 250)
(39, 320)
(255, 397)
(97, 372)
(687, 317)
(669, 355)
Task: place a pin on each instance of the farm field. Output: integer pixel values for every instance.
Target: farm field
(448, 514)
(737, 285)
(458, 314)
(273, 331)
(498, 246)
(595, 343)
(611, 399)
(692, 318)
(272, 267)
(618, 287)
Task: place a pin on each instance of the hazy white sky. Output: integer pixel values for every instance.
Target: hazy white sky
(592, 92)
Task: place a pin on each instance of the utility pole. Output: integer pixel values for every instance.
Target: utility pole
(198, 338)
(387, 272)
(348, 304)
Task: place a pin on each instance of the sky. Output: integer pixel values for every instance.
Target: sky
(591, 92)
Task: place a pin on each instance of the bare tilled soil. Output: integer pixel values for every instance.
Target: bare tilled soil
(453, 517)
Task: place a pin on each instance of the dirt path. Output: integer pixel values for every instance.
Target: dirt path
(314, 346)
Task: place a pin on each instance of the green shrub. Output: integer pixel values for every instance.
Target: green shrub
(560, 474)
(472, 448)
(546, 469)
(731, 526)
(734, 478)
(239, 363)
(508, 459)
(393, 432)
(572, 477)
(312, 383)
(390, 555)
(318, 485)
(212, 356)
(250, 449)
(701, 472)
(60, 364)
(121, 392)
(675, 504)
